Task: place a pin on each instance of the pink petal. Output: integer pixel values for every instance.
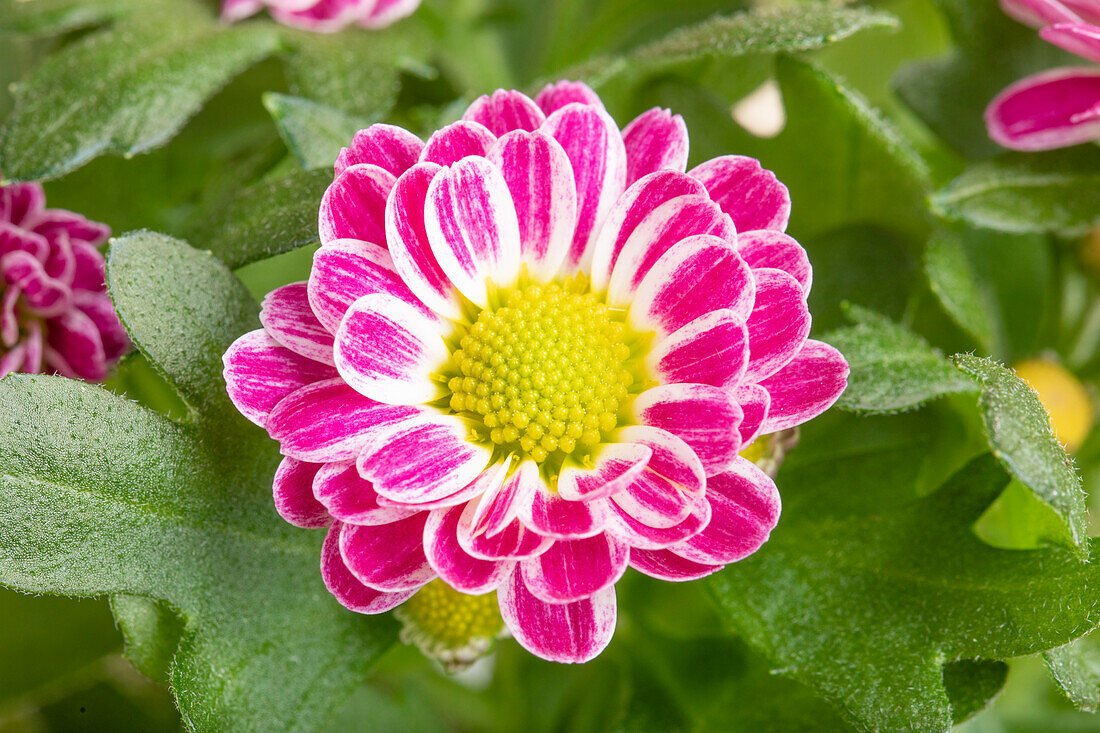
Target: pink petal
(292, 490)
(766, 248)
(744, 506)
(424, 460)
(616, 465)
(806, 387)
(500, 503)
(34, 348)
(667, 565)
(696, 276)
(654, 501)
(17, 239)
(351, 498)
(348, 590)
(574, 569)
(595, 148)
(323, 16)
(750, 194)
(9, 318)
(671, 222)
(506, 110)
(704, 417)
(552, 515)
(636, 203)
(713, 349)
(540, 179)
(289, 319)
(347, 269)
(354, 206)
(259, 373)
(74, 337)
(1081, 39)
(639, 535)
(233, 10)
(559, 632)
(76, 228)
(779, 324)
(1039, 13)
(1052, 109)
(670, 456)
(407, 235)
(387, 350)
(387, 12)
(90, 268)
(456, 141)
(459, 569)
(755, 403)
(654, 140)
(61, 263)
(513, 542)
(555, 96)
(472, 227)
(99, 308)
(388, 147)
(45, 295)
(21, 203)
(388, 557)
(329, 421)
(11, 360)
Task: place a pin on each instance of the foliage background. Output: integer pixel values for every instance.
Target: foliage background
(935, 538)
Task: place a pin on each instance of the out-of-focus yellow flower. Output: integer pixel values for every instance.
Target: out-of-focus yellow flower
(454, 628)
(1063, 396)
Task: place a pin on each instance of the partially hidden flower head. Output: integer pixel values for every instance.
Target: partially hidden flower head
(526, 359)
(55, 314)
(323, 16)
(1060, 107)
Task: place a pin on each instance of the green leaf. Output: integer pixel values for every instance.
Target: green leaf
(313, 132)
(126, 89)
(893, 369)
(152, 632)
(994, 286)
(52, 17)
(863, 591)
(1056, 192)
(1076, 668)
(1020, 436)
(273, 216)
(971, 684)
(101, 496)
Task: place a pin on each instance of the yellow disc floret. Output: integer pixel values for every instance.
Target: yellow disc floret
(1063, 396)
(544, 373)
(452, 627)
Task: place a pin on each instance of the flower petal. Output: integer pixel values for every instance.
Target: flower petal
(101, 310)
(560, 632)
(459, 569)
(806, 387)
(755, 403)
(391, 148)
(574, 569)
(513, 542)
(388, 557)
(555, 96)
(472, 226)
(456, 141)
(79, 230)
(354, 206)
(766, 248)
(713, 349)
(22, 203)
(292, 490)
(671, 222)
(407, 236)
(694, 277)
(616, 466)
(1051, 109)
(706, 418)
(745, 190)
(423, 460)
(654, 501)
(639, 535)
(387, 350)
(74, 338)
(47, 296)
(499, 504)
(552, 515)
(506, 110)
(654, 140)
(540, 179)
(351, 498)
(17, 239)
(778, 325)
(667, 565)
(289, 319)
(595, 148)
(670, 456)
(1040, 13)
(329, 421)
(387, 12)
(636, 203)
(347, 589)
(744, 505)
(1081, 39)
(259, 373)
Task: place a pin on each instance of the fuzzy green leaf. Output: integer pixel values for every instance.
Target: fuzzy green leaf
(1056, 192)
(1020, 436)
(1076, 668)
(152, 633)
(313, 132)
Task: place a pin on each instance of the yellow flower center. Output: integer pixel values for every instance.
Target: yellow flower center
(1063, 396)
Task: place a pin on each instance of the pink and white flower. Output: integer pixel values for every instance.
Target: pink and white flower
(55, 314)
(323, 16)
(1060, 107)
(527, 356)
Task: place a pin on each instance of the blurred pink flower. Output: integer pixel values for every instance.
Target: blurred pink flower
(527, 357)
(323, 16)
(55, 314)
(1060, 107)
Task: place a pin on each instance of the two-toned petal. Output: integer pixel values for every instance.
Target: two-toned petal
(560, 632)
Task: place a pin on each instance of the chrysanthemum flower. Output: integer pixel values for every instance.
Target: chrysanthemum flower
(1060, 107)
(323, 16)
(527, 357)
(55, 314)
